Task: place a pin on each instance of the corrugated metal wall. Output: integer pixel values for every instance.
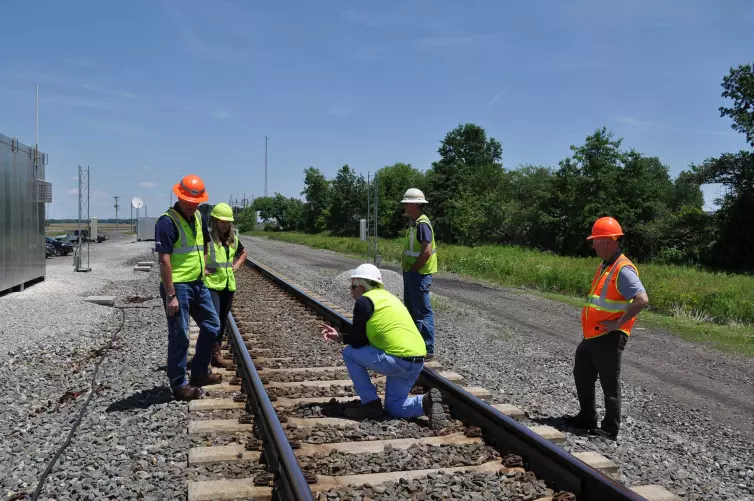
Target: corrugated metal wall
(22, 218)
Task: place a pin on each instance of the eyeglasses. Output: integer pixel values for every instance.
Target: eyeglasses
(354, 287)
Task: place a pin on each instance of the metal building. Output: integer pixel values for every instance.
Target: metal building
(23, 194)
(145, 228)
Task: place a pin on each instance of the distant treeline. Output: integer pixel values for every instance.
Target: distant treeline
(474, 200)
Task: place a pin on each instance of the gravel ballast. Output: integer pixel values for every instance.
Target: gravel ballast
(131, 442)
(674, 432)
(515, 486)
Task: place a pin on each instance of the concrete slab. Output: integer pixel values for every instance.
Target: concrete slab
(145, 263)
(142, 268)
(103, 300)
(597, 461)
(510, 410)
(655, 492)
(548, 433)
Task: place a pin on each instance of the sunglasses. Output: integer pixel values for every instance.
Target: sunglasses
(354, 287)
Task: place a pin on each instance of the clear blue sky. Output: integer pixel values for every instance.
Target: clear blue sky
(144, 91)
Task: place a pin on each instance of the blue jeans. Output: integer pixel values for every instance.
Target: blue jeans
(223, 302)
(401, 376)
(193, 299)
(416, 298)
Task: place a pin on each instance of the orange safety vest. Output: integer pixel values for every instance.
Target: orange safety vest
(605, 302)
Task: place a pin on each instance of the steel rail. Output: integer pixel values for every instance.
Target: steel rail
(289, 483)
(560, 470)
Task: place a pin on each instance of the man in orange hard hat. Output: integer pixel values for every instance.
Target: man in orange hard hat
(615, 299)
(181, 238)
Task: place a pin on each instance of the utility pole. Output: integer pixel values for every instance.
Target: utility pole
(265, 165)
(116, 213)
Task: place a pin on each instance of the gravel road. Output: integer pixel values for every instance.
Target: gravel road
(687, 409)
(132, 440)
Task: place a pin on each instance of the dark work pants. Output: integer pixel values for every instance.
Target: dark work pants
(223, 300)
(600, 356)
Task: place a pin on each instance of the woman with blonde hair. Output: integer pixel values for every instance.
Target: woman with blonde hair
(219, 275)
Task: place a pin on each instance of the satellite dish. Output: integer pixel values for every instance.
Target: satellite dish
(137, 202)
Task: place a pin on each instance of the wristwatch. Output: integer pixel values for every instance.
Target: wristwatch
(170, 297)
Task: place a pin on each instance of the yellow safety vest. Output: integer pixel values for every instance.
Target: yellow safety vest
(187, 258)
(391, 328)
(413, 247)
(222, 262)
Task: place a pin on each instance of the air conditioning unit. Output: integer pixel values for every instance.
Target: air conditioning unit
(42, 191)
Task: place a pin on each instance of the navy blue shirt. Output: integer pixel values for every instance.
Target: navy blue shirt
(363, 310)
(166, 232)
(424, 233)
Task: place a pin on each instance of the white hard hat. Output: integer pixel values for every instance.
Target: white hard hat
(413, 196)
(368, 272)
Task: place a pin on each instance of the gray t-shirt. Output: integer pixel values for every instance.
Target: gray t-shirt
(629, 284)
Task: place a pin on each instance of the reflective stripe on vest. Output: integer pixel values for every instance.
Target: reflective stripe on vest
(609, 303)
(391, 328)
(223, 275)
(187, 258)
(412, 248)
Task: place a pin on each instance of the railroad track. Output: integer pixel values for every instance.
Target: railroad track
(273, 428)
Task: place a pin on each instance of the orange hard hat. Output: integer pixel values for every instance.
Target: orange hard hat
(605, 227)
(191, 189)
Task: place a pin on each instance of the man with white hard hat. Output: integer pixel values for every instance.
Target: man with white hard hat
(385, 340)
(419, 263)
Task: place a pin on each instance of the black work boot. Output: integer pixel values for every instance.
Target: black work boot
(579, 422)
(432, 407)
(371, 410)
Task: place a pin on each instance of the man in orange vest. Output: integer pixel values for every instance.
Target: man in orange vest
(615, 299)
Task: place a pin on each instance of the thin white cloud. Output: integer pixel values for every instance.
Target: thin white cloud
(187, 15)
(217, 113)
(635, 122)
(90, 103)
(497, 97)
(148, 184)
(73, 191)
(74, 178)
(146, 167)
(340, 109)
(721, 133)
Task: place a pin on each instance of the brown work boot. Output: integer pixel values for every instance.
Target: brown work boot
(188, 392)
(205, 379)
(217, 357)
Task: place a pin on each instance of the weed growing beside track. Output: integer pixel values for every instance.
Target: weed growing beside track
(713, 308)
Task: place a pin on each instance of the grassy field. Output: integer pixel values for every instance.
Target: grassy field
(713, 308)
(56, 229)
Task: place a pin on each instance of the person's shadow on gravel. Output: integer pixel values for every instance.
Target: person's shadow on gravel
(143, 399)
(559, 424)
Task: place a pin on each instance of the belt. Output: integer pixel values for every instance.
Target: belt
(413, 359)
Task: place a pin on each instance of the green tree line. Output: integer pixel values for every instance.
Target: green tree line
(475, 200)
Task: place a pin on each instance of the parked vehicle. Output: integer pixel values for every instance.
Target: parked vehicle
(62, 247)
(101, 237)
(73, 236)
(49, 249)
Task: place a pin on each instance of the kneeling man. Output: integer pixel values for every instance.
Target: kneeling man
(384, 339)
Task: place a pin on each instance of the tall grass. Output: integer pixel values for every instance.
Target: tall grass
(673, 290)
